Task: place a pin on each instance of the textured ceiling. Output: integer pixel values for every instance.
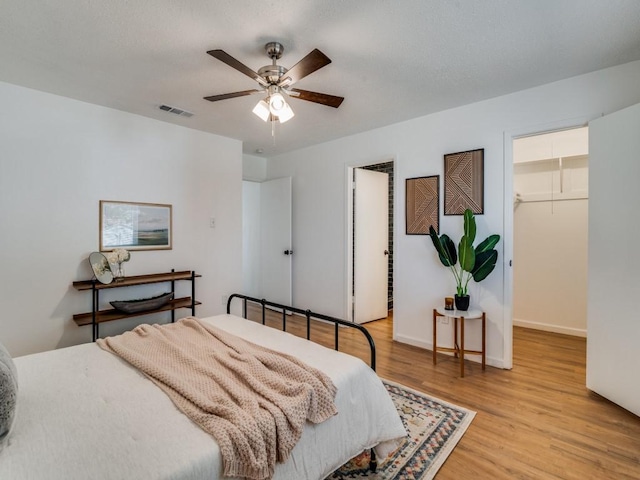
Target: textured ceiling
(392, 60)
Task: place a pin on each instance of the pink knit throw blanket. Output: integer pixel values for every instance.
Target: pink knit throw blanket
(252, 400)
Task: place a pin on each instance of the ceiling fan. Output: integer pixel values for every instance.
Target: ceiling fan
(275, 80)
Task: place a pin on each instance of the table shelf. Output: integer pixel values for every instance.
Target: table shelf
(111, 314)
(136, 280)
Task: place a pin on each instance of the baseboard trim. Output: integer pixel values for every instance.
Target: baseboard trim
(576, 332)
(494, 362)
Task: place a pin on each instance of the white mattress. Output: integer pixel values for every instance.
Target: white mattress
(85, 414)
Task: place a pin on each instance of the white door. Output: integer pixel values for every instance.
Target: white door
(276, 249)
(371, 244)
(613, 326)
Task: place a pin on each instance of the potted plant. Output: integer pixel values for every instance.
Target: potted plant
(468, 261)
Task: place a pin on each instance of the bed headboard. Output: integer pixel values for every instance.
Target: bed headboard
(309, 315)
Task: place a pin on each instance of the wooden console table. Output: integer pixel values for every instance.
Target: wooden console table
(459, 350)
(96, 316)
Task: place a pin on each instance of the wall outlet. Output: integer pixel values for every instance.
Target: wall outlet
(444, 320)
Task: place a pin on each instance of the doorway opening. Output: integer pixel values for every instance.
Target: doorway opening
(266, 239)
(364, 250)
(550, 231)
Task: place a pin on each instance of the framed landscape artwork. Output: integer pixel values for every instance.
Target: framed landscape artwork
(134, 226)
(422, 205)
(464, 182)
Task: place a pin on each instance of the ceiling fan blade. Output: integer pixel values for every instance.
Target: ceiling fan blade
(233, 63)
(309, 64)
(224, 96)
(322, 98)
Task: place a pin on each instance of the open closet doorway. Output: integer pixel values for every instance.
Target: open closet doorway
(370, 242)
(550, 231)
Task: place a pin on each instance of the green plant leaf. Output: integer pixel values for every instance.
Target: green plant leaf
(436, 241)
(449, 250)
(488, 244)
(445, 248)
(466, 254)
(485, 263)
(469, 225)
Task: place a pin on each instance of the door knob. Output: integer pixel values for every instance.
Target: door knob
(386, 252)
(288, 252)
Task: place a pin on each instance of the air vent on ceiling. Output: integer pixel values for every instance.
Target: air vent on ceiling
(177, 111)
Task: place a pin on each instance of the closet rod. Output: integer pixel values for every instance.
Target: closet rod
(552, 200)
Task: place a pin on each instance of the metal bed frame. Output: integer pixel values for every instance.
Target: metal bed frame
(309, 315)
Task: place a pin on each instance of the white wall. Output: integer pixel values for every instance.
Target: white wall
(319, 192)
(58, 158)
(550, 266)
(251, 235)
(254, 171)
(254, 168)
(613, 325)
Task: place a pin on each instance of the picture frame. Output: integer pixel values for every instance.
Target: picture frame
(422, 200)
(464, 182)
(135, 226)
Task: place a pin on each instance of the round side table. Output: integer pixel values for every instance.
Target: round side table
(458, 349)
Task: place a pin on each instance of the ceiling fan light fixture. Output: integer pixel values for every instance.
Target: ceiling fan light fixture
(285, 114)
(262, 110)
(277, 103)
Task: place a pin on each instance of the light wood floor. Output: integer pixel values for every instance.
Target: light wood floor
(537, 421)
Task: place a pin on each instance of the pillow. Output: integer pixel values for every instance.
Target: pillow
(8, 394)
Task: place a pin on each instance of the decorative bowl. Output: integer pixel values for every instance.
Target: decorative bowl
(142, 305)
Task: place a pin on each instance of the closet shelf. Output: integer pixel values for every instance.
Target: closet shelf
(552, 160)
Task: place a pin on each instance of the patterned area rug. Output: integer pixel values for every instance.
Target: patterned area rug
(434, 427)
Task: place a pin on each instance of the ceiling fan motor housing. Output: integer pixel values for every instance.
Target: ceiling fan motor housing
(274, 50)
(272, 73)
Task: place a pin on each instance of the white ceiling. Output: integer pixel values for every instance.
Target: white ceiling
(392, 60)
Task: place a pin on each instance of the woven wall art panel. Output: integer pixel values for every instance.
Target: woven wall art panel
(422, 205)
(464, 182)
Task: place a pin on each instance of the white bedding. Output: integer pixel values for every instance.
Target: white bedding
(85, 414)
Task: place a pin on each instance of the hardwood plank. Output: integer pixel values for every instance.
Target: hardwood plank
(536, 421)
